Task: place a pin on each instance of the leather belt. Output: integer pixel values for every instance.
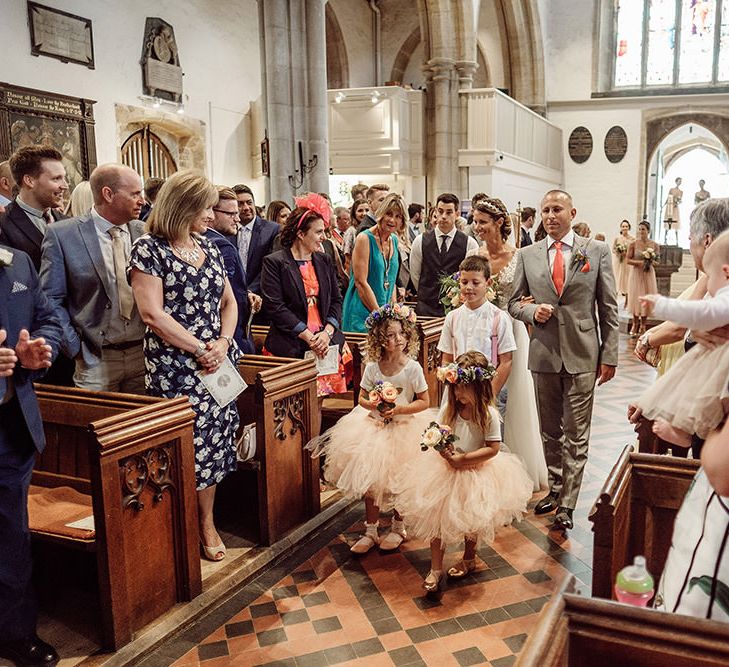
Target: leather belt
(122, 346)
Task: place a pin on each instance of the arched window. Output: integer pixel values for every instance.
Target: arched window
(671, 44)
(144, 152)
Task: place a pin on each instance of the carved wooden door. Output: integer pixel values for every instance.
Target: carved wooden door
(146, 153)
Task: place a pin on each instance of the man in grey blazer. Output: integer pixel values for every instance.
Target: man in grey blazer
(574, 342)
(83, 273)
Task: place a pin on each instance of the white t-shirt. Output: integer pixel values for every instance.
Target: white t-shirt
(470, 437)
(467, 329)
(411, 378)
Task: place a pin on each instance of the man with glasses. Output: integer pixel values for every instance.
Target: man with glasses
(222, 232)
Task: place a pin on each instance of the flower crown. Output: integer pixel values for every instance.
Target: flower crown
(455, 374)
(391, 312)
(315, 203)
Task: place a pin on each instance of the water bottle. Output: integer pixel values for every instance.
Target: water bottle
(634, 584)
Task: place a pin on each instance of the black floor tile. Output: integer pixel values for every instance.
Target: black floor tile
(329, 624)
(265, 609)
(212, 650)
(386, 625)
(469, 656)
(516, 642)
(314, 599)
(239, 629)
(378, 613)
(471, 621)
(506, 661)
(285, 592)
(296, 616)
(305, 575)
(271, 637)
(316, 659)
(427, 602)
(495, 615)
(537, 577)
(407, 655)
(518, 609)
(368, 647)
(339, 654)
(447, 627)
(537, 603)
(422, 633)
(286, 662)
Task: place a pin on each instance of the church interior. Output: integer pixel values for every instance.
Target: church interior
(620, 103)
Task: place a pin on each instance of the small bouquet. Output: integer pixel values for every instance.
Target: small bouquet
(450, 291)
(383, 397)
(620, 249)
(437, 437)
(650, 258)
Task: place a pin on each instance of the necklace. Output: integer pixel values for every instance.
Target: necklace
(386, 260)
(190, 256)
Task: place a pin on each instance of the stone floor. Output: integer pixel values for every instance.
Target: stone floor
(324, 607)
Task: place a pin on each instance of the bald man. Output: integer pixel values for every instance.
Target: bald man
(83, 273)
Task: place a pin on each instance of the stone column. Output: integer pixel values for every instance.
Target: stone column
(466, 70)
(442, 172)
(317, 108)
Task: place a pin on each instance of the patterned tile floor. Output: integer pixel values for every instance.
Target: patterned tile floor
(324, 607)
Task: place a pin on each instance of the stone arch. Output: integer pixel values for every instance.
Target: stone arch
(402, 59)
(482, 76)
(337, 61)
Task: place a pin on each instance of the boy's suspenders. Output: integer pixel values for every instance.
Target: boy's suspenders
(494, 338)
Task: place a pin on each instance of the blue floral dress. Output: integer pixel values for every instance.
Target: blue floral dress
(192, 297)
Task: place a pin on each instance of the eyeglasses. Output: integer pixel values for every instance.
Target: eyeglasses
(230, 213)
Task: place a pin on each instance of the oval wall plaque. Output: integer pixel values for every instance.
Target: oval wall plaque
(616, 144)
(580, 144)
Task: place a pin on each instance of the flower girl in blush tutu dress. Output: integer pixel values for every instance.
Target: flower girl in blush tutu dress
(462, 487)
(368, 447)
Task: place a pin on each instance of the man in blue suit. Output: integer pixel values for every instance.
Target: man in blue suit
(83, 273)
(222, 232)
(30, 335)
(254, 238)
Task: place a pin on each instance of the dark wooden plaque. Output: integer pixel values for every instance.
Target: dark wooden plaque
(616, 144)
(579, 144)
(29, 117)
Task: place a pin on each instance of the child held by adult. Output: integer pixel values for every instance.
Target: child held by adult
(367, 448)
(467, 488)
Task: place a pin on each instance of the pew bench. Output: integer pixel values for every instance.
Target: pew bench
(278, 490)
(574, 630)
(634, 514)
(128, 461)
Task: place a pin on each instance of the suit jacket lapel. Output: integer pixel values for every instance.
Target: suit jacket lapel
(255, 238)
(25, 225)
(543, 253)
(296, 278)
(87, 229)
(580, 245)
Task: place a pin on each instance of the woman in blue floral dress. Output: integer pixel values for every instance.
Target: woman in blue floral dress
(185, 299)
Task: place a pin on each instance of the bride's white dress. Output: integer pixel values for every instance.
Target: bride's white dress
(521, 423)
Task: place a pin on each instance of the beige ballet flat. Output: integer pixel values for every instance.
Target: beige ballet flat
(431, 583)
(395, 537)
(462, 568)
(367, 541)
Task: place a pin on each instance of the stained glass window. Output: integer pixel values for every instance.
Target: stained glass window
(671, 43)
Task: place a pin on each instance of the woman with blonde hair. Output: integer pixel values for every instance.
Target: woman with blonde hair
(184, 297)
(81, 201)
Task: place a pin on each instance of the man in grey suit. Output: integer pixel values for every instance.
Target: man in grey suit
(574, 342)
(83, 273)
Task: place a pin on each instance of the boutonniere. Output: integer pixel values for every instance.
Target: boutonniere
(6, 257)
(579, 259)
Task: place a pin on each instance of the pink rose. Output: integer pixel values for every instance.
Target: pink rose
(451, 375)
(375, 398)
(390, 394)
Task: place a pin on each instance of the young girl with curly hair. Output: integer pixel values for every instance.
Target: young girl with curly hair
(367, 448)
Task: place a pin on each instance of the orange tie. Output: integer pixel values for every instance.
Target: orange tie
(558, 268)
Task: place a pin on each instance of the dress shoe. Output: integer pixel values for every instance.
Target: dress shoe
(563, 518)
(546, 504)
(29, 651)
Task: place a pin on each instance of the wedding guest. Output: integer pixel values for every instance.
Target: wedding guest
(527, 222)
(81, 201)
(582, 229)
(375, 265)
(151, 190)
(187, 303)
(357, 213)
(642, 278)
(375, 196)
(278, 211)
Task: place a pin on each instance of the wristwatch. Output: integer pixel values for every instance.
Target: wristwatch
(200, 350)
(229, 339)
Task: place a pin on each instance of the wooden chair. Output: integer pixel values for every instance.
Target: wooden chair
(634, 514)
(134, 457)
(574, 630)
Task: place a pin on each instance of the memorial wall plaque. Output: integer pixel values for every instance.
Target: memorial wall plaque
(161, 71)
(34, 117)
(61, 35)
(616, 144)
(579, 144)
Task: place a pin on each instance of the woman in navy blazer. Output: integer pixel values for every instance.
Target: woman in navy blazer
(301, 296)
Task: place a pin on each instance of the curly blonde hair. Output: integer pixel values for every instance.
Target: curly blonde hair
(377, 338)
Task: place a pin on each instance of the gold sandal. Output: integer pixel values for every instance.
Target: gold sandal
(462, 568)
(431, 583)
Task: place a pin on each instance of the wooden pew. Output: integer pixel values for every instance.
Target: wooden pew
(279, 488)
(650, 443)
(574, 630)
(634, 514)
(429, 356)
(134, 456)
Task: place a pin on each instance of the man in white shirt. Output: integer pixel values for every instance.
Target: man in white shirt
(438, 252)
(83, 273)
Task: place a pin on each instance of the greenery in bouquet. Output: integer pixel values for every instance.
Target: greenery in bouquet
(650, 258)
(383, 396)
(438, 437)
(450, 291)
(620, 249)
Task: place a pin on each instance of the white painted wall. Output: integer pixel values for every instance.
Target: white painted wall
(219, 53)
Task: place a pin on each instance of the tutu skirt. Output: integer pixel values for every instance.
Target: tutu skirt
(439, 501)
(693, 396)
(365, 456)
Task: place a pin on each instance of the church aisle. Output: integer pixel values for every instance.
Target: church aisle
(324, 607)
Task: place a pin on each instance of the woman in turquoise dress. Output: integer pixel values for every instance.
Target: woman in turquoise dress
(375, 265)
